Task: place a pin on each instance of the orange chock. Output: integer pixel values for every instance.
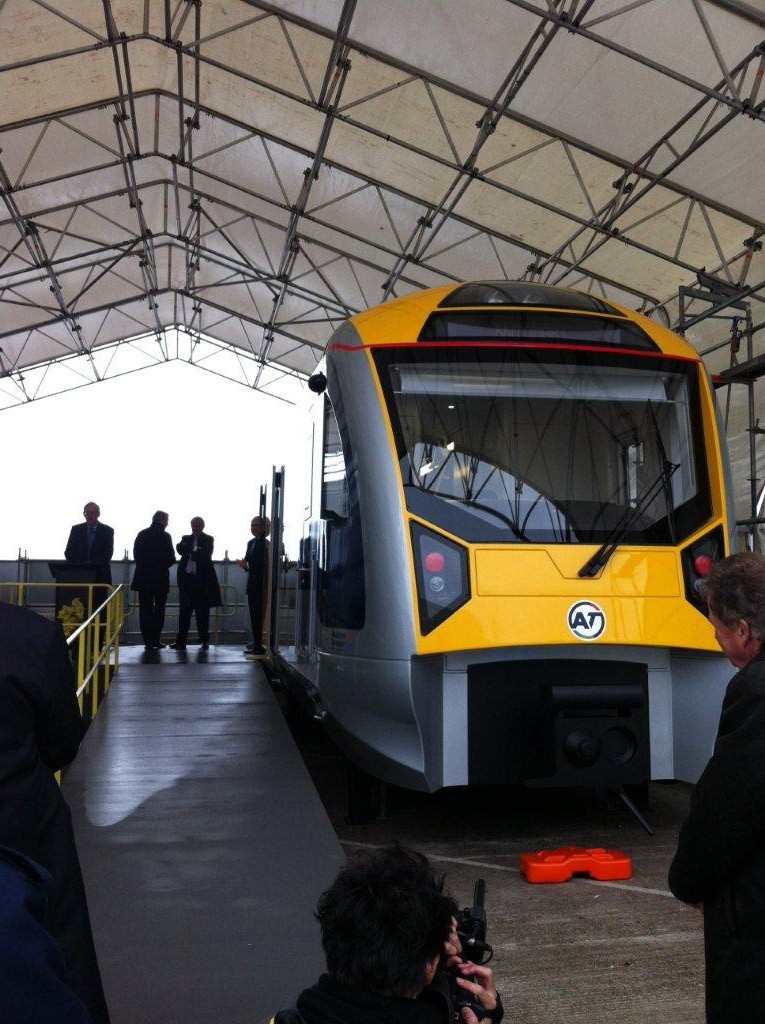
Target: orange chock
(559, 865)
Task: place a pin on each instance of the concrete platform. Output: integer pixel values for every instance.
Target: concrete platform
(203, 842)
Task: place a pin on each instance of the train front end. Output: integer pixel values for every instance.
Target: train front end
(539, 490)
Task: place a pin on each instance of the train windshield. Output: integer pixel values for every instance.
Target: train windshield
(546, 447)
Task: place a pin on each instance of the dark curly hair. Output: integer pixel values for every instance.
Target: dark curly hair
(735, 589)
(382, 919)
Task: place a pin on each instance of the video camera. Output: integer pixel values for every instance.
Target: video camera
(471, 930)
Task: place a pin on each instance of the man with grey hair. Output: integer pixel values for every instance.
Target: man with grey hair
(720, 858)
(92, 543)
(198, 587)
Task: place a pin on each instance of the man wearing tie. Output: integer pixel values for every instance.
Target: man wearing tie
(92, 542)
(198, 587)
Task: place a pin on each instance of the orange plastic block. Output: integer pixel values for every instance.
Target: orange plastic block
(559, 865)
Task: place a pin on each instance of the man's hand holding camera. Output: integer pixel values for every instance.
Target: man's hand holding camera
(474, 979)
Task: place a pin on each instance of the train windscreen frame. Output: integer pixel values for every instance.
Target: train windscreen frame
(503, 445)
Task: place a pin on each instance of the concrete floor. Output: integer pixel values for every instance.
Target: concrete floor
(577, 952)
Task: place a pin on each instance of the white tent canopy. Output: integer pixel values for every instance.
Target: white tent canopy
(224, 181)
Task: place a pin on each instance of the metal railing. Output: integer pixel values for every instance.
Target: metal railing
(219, 629)
(94, 642)
(229, 624)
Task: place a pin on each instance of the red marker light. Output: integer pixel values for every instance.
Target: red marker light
(702, 564)
(434, 561)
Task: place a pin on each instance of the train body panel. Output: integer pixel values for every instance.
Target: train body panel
(508, 535)
(405, 720)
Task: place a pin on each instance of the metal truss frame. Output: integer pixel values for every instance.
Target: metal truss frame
(19, 387)
(298, 280)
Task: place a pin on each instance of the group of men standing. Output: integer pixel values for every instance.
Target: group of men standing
(92, 543)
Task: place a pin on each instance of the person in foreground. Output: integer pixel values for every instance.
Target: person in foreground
(720, 858)
(40, 732)
(33, 987)
(389, 935)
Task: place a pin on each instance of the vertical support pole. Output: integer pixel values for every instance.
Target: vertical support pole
(752, 426)
(277, 514)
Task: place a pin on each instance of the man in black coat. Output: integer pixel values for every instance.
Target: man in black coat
(40, 732)
(255, 564)
(92, 542)
(153, 554)
(198, 586)
(720, 859)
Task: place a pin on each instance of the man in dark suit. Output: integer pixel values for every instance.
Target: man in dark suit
(40, 732)
(255, 564)
(153, 554)
(198, 586)
(92, 543)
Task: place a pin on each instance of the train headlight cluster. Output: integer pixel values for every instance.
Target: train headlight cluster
(441, 572)
(698, 560)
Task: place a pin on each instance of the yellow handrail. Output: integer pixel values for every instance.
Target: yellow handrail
(94, 643)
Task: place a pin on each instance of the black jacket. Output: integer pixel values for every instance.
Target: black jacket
(40, 732)
(32, 986)
(256, 557)
(101, 553)
(720, 859)
(330, 1003)
(153, 554)
(205, 570)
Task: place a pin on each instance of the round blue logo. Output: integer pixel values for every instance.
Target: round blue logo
(586, 620)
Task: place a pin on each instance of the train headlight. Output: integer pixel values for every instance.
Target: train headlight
(698, 560)
(441, 571)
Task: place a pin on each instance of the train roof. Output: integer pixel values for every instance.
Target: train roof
(440, 314)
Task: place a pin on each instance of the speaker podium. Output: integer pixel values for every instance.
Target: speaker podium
(73, 579)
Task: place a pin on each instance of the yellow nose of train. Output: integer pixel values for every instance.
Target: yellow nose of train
(534, 596)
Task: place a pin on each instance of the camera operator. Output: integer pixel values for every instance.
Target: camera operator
(389, 936)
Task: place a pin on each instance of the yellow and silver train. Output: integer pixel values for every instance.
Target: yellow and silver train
(516, 491)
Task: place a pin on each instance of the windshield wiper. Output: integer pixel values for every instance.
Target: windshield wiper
(593, 565)
(665, 464)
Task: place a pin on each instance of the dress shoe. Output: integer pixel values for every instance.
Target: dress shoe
(204, 646)
(160, 646)
(177, 645)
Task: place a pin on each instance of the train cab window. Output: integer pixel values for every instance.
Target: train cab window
(334, 481)
(341, 591)
(560, 448)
